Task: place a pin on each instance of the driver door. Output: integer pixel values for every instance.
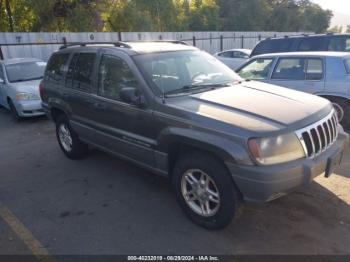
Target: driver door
(123, 128)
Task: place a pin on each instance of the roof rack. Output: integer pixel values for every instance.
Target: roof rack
(116, 44)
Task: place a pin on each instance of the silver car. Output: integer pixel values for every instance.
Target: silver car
(233, 58)
(19, 86)
(326, 74)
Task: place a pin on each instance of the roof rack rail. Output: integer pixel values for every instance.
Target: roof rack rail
(161, 41)
(116, 44)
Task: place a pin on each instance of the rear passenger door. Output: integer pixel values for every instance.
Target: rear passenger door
(122, 128)
(79, 85)
(299, 73)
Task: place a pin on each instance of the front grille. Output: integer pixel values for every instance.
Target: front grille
(316, 138)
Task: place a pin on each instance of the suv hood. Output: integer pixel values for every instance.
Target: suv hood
(258, 106)
(27, 86)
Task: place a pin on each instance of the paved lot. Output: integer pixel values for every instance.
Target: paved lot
(102, 205)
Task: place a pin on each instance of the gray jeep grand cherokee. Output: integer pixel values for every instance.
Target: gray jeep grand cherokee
(181, 113)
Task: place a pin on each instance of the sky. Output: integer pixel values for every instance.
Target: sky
(339, 6)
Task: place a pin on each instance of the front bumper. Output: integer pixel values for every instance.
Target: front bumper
(29, 108)
(265, 183)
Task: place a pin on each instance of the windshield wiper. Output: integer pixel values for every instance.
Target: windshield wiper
(195, 87)
(28, 79)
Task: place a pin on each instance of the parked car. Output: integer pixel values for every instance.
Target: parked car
(19, 86)
(181, 113)
(326, 74)
(233, 58)
(303, 43)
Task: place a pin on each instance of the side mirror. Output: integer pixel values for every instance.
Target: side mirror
(132, 96)
(2, 81)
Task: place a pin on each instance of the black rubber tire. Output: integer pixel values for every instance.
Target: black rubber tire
(230, 198)
(13, 111)
(345, 105)
(79, 148)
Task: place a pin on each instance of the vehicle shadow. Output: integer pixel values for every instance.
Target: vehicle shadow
(312, 220)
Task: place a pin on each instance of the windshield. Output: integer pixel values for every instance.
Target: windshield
(25, 71)
(184, 71)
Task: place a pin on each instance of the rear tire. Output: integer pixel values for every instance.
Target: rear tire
(212, 202)
(342, 106)
(68, 140)
(13, 111)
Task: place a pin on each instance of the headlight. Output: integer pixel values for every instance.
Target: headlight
(26, 96)
(275, 150)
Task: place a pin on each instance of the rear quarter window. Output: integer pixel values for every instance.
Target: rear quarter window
(272, 46)
(56, 65)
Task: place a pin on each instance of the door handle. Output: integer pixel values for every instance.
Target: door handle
(99, 106)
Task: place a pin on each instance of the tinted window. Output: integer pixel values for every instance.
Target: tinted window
(238, 54)
(339, 44)
(80, 71)
(272, 46)
(290, 69)
(2, 73)
(56, 64)
(314, 69)
(257, 69)
(347, 65)
(312, 44)
(226, 54)
(113, 75)
(25, 71)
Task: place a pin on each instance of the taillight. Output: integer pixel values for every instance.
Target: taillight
(41, 90)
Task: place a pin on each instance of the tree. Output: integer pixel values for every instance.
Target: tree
(336, 29)
(162, 15)
(348, 29)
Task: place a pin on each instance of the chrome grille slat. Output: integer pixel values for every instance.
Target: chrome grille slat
(319, 136)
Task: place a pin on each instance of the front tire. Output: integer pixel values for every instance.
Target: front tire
(205, 190)
(13, 111)
(68, 140)
(342, 107)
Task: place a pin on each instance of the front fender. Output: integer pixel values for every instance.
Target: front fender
(226, 149)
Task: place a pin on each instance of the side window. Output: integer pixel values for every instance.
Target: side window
(80, 71)
(227, 54)
(347, 65)
(272, 46)
(2, 73)
(56, 65)
(311, 44)
(314, 69)
(257, 69)
(113, 75)
(339, 44)
(238, 54)
(290, 69)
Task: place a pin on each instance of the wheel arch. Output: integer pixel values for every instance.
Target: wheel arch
(181, 140)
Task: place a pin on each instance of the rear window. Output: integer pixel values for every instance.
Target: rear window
(272, 46)
(56, 64)
(347, 65)
(226, 54)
